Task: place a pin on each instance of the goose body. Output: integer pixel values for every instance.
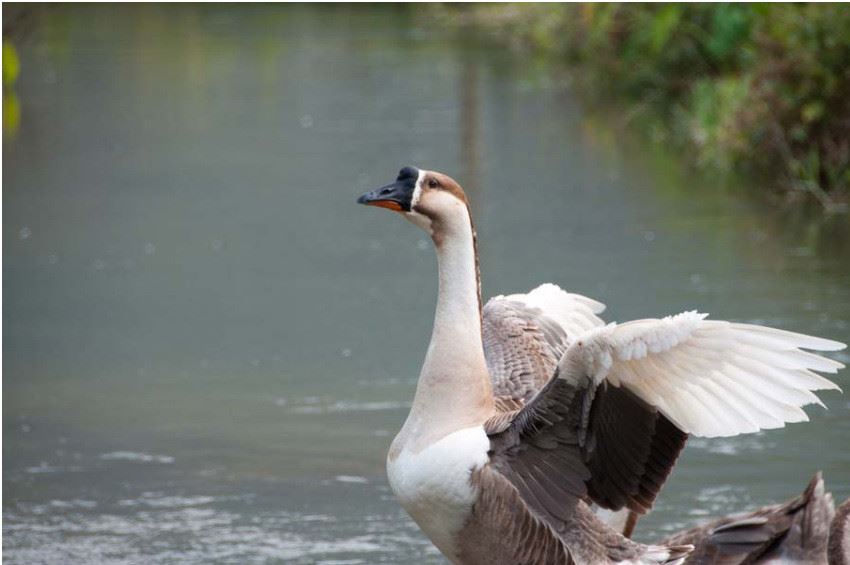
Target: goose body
(797, 532)
(530, 410)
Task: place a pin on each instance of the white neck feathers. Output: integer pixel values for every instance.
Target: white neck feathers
(458, 303)
(454, 388)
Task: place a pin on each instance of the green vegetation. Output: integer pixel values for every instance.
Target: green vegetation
(763, 88)
(11, 105)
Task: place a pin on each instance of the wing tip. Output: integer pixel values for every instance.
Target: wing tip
(793, 339)
(832, 345)
(816, 343)
(832, 385)
(794, 415)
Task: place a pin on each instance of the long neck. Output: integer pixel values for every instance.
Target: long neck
(454, 388)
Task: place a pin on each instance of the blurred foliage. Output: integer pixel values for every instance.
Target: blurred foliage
(11, 104)
(762, 87)
(11, 64)
(15, 18)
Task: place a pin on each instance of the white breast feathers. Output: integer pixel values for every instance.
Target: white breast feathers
(434, 484)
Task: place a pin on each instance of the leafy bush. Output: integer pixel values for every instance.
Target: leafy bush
(757, 86)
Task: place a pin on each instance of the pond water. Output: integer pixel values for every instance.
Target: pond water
(208, 345)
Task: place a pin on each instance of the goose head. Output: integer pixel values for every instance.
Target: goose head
(433, 201)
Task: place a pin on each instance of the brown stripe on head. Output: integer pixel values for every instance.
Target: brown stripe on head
(429, 200)
(438, 181)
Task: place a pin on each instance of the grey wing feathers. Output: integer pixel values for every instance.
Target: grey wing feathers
(560, 440)
(522, 347)
(539, 451)
(525, 336)
(631, 451)
(575, 440)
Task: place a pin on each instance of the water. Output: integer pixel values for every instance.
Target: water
(208, 346)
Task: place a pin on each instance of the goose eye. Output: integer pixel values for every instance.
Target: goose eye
(432, 183)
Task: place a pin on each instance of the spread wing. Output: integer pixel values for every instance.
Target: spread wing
(576, 439)
(612, 422)
(709, 378)
(526, 334)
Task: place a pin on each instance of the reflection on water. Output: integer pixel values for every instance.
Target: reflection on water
(208, 346)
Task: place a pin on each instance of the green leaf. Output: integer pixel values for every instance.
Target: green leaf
(813, 111)
(11, 63)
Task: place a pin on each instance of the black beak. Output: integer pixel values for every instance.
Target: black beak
(391, 196)
(395, 196)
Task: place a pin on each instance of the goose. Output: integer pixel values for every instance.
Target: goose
(797, 531)
(530, 410)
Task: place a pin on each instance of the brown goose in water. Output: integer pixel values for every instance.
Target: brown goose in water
(530, 409)
(794, 532)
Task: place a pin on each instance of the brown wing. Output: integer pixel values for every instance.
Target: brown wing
(575, 440)
(522, 347)
(632, 449)
(539, 451)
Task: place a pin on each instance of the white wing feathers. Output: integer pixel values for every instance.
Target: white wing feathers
(573, 312)
(710, 378)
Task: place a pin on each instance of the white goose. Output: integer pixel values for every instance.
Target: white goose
(531, 409)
